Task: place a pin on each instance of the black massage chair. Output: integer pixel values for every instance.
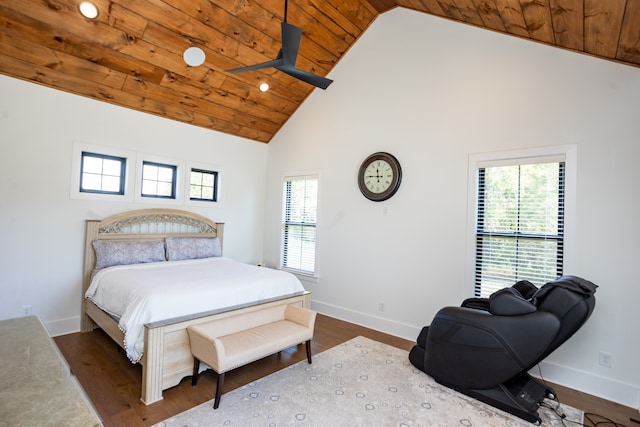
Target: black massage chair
(486, 347)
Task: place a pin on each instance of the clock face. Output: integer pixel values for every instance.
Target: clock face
(379, 176)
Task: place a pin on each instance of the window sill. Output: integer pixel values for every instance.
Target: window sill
(303, 277)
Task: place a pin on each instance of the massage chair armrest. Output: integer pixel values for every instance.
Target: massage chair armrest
(475, 349)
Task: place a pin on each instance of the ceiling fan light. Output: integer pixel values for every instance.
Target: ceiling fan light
(88, 10)
(194, 56)
(264, 87)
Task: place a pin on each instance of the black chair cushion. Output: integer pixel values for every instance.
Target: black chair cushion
(509, 302)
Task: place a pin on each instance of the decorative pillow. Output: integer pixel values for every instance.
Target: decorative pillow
(179, 248)
(115, 252)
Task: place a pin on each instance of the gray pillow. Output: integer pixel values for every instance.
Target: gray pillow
(116, 252)
(179, 248)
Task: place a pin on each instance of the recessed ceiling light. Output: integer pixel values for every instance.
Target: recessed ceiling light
(88, 10)
(194, 56)
(264, 87)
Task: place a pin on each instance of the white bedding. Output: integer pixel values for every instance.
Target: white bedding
(138, 294)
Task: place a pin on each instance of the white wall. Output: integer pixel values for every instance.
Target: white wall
(432, 92)
(42, 228)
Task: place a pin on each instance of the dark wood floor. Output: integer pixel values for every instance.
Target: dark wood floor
(113, 383)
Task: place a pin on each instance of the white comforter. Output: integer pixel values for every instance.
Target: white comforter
(138, 294)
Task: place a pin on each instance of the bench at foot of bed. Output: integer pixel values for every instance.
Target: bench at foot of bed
(234, 341)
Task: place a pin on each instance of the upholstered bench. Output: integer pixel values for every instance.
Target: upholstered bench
(231, 342)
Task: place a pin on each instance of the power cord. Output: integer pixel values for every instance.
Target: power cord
(596, 420)
(557, 409)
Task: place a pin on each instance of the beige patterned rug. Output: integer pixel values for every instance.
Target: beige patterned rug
(359, 383)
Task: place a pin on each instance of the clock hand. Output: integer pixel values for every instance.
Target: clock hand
(377, 175)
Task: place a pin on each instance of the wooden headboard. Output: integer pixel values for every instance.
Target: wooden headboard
(145, 224)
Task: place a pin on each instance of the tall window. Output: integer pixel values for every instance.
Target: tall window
(300, 195)
(520, 224)
(158, 180)
(102, 174)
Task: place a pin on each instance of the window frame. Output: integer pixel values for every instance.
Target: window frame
(122, 177)
(189, 165)
(304, 274)
(76, 169)
(173, 182)
(564, 153)
(179, 177)
(214, 187)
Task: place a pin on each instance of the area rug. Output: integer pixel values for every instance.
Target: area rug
(359, 383)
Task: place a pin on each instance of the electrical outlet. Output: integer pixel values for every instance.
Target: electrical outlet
(380, 306)
(605, 359)
(26, 310)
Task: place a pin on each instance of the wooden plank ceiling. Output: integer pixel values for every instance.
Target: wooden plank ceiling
(131, 55)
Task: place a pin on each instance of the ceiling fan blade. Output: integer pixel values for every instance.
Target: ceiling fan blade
(291, 36)
(275, 64)
(307, 77)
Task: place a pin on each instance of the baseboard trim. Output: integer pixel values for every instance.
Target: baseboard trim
(390, 327)
(63, 326)
(605, 388)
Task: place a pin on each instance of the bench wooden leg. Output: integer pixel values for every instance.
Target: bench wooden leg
(308, 346)
(196, 369)
(219, 384)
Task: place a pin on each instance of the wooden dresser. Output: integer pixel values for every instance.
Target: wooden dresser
(36, 384)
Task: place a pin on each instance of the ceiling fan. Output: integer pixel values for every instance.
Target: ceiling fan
(286, 59)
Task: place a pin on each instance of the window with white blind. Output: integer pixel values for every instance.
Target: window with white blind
(519, 223)
(300, 209)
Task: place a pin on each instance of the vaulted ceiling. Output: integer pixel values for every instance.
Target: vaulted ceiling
(131, 55)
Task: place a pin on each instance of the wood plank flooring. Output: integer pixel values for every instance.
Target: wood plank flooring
(113, 383)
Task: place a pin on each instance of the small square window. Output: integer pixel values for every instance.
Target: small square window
(102, 174)
(158, 180)
(203, 185)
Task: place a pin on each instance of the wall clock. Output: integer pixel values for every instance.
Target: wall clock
(379, 176)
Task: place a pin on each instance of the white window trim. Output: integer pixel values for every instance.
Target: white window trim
(133, 177)
(76, 165)
(179, 164)
(567, 152)
(187, 184)
(315, 277)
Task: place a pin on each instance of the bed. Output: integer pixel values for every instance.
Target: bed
(165, 356)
